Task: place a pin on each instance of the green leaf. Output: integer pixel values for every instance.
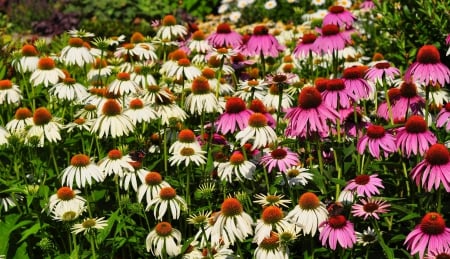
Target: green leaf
(9, 225)
(32, 230)
(21, 252)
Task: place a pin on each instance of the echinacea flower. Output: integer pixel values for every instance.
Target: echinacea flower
(378, 141)
(100, 69)
(338, 95)
(271, 200)
(442, 118)
(304, 48)
(428, 68)
(9, 92)
(112, 122)
(67, 211)
(272, 98)
(408, 101)
(201, 100)
(251, 89)
(330, 40)
(272, 219)
(371, 207)
(150, 188)
(439, 253)
(270, 248)
(183, 70)
(262, 43)
(234, 118)
(382, 72)
(365, 185)
(115, 163)
(296, 175)
(280, 158)
(355, 82)
(69, 89)
(132, 177)
(82, 171)
(88, 225)
(339, 16)
(257, 131)
(66, 195)
(429, 236)
(45, 127)
(224, 36)
(170, 30)
(232, 223)
(309, 213)
(337, 230)
(164, 240)
(139, 112)
(433, 169)
(76, 53)
(46, 73)
(29, 60)
(188, 155)
(123, 85)
(367, 237)
(23, 118)
(414, 138)
(311, 116)
(167, 202)
(237, 167)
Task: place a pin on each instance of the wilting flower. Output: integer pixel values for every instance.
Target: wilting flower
(367, 237)
(429, 236)
(370, 207)
(434, 169)
(164, 239)
(90, 224)
(337, 229)
(365, 185)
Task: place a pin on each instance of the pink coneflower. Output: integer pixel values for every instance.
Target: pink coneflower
(224, 36)
(367, 5)
(309, 213)
(430, 235)
(365, 185)
(337, 229)
(280, 158)
(382, 72)
(305, 45)
(353, 121)
(337, 95)
(414, 138)
(311, 116)
(408, 101)
(234, 118)
(443, 118)
(339, 16)
(257, 105)
(378, 141)
(237, 166)
(383, 109)
(370, 207)
(354, 80)
(428, 68)
(262, 43)
(434, 169)
(330, 39)
(439, 253)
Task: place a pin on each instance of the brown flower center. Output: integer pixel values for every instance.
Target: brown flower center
(309, 98)
(231, 207)
(428, 54)
(375, 131)
(437, 154)
(432, 224)
(416, 124)
(308, 201)
(65, 193)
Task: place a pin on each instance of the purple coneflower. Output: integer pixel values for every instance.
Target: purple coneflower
(408, 101)
(339, 16)
(383, 108)
(365, 185)
(337, 95)
(280, 158)
(262, 43)
(234, 118)
(370, 207)
(305, 45)
(367, 5)
(337, 229)
(434, 169)
(330, 40)
(439, 253)
(414, 138)
(311, 116)
(443, 117)
(378, 141)
(428, 68)
(353, 121)
(430, 235)
(224, 36)
(354, 80)
(382, 71)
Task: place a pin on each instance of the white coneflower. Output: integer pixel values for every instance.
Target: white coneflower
(198, 44)
(232, 224)
(183, 70)
(170, 30)
(4, 135)
(142, 76)
(89, 112)
(115, 163)
(23, 119)
(90, 224)
(69, 90)
(112, 122)
(272, 99)
(9, 92)
(76, 53)
(272, 219)
(238, 167)
(68, 211)
(167, 202)
(186, 138)
(100, 69)
(257, 131)
(164, 240)
(150, 188)
(270, 248)
(46, 73)
(44, 127)
(29, 60)
(251, 89)
(123, 85)
(82, 171)
(79, 124)
(139, 112)
(201, 100)
(271, 200)
(297, 175)
(188, 155)
(66, 195)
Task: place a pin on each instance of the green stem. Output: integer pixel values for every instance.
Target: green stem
(386, 249)
(91, 240)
